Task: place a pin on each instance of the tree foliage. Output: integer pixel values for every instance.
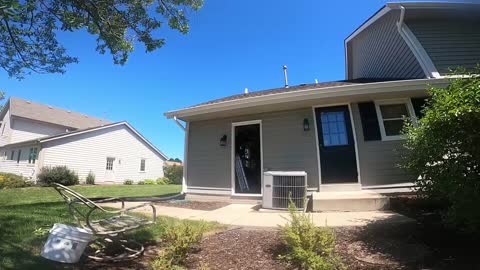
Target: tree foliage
(444, 150)
(173, 173)
(28, 28)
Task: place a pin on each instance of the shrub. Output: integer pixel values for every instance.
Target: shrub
(10, 180)
(163, 181)
(308, 247)
(179, 239)
(58, 174)
(140, 183)
(174, 173)
(128, 182)
(444, 151)
(149, 182)
(90, 180)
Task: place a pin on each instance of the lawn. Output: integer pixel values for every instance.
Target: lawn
(26, 215)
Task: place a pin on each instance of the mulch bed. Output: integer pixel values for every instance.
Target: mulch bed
(239, 248)
(196, 205)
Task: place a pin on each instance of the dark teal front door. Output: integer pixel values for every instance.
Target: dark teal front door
(336, 145)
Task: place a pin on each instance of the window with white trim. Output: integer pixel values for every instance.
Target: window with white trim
(12, 154)
(110, 161)
(142, 165)
(391, 117)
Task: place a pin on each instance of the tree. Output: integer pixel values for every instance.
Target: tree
(444, 150)
(28, 28)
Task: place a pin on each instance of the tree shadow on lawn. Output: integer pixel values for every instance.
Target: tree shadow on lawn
(24, 230)
(391, 244)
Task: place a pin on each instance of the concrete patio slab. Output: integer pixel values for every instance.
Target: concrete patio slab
(247, 215)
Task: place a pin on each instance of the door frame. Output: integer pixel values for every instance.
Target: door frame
(113, 178)
(354, 131)
(232, 157)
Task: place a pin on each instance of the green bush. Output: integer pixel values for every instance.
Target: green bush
(179, 239)
(443, 149)
(149, 182)
(174, 173)
(90, 180)
(128, 182)
(58, 174)
(140, 183)
(307, 246)
(163, 181)
(10, 180)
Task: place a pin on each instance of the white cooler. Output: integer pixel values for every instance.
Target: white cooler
(66, 243)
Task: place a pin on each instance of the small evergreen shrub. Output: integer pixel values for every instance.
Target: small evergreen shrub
(128, 182)
(140, 183)
(149, 182)
(163, 181)
(308, 247)
(10, 180)
(174, 173)
(90, 180)
(180, 239)
(58, 174)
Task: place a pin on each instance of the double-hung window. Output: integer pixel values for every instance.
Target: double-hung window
(142, 165)
(110, 161)
(391, 117)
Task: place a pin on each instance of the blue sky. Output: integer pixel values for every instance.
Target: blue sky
(231, 45)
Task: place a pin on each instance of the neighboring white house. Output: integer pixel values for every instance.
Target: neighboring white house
(34, 135)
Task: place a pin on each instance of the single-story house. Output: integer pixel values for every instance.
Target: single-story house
(344, 134)
(34, 135)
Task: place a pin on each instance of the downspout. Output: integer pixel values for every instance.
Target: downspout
(185, 130)
(417, 49)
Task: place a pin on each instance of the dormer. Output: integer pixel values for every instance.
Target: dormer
(414, 40)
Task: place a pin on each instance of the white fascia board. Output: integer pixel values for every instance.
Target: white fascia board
(368, 22)
(313, 93)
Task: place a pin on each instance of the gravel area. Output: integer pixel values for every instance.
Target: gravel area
(196, 205)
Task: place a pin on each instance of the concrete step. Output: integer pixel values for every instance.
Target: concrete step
(350, 201)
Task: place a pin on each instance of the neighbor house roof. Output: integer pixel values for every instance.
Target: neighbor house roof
(45, 113)
(88, 130)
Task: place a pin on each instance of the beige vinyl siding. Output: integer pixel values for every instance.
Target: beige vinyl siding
(450, 43)
(286, 146)
(22, 168)
(25, 129)
(380, 52)
(5, 129)
(378, 160)
(89, 151)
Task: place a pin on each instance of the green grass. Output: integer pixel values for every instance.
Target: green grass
(26, 214)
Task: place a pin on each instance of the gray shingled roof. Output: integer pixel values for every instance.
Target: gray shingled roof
(45, 113)
(290, 89)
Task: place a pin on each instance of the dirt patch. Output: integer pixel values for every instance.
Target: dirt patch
(196, 205)
(239, 249)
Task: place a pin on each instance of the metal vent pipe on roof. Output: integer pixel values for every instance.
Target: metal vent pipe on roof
(285, 75)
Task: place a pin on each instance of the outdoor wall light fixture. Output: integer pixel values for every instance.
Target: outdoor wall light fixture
(223, 140)
(306, 125)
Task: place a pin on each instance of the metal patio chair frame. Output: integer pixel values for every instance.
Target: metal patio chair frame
(102, 228)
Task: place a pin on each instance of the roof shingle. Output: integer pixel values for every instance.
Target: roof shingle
(49, 114)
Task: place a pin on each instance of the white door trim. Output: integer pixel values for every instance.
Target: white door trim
(232, 157)
(354, 141)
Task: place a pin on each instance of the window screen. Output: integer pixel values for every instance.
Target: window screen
(334, 130)
(393, 116)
